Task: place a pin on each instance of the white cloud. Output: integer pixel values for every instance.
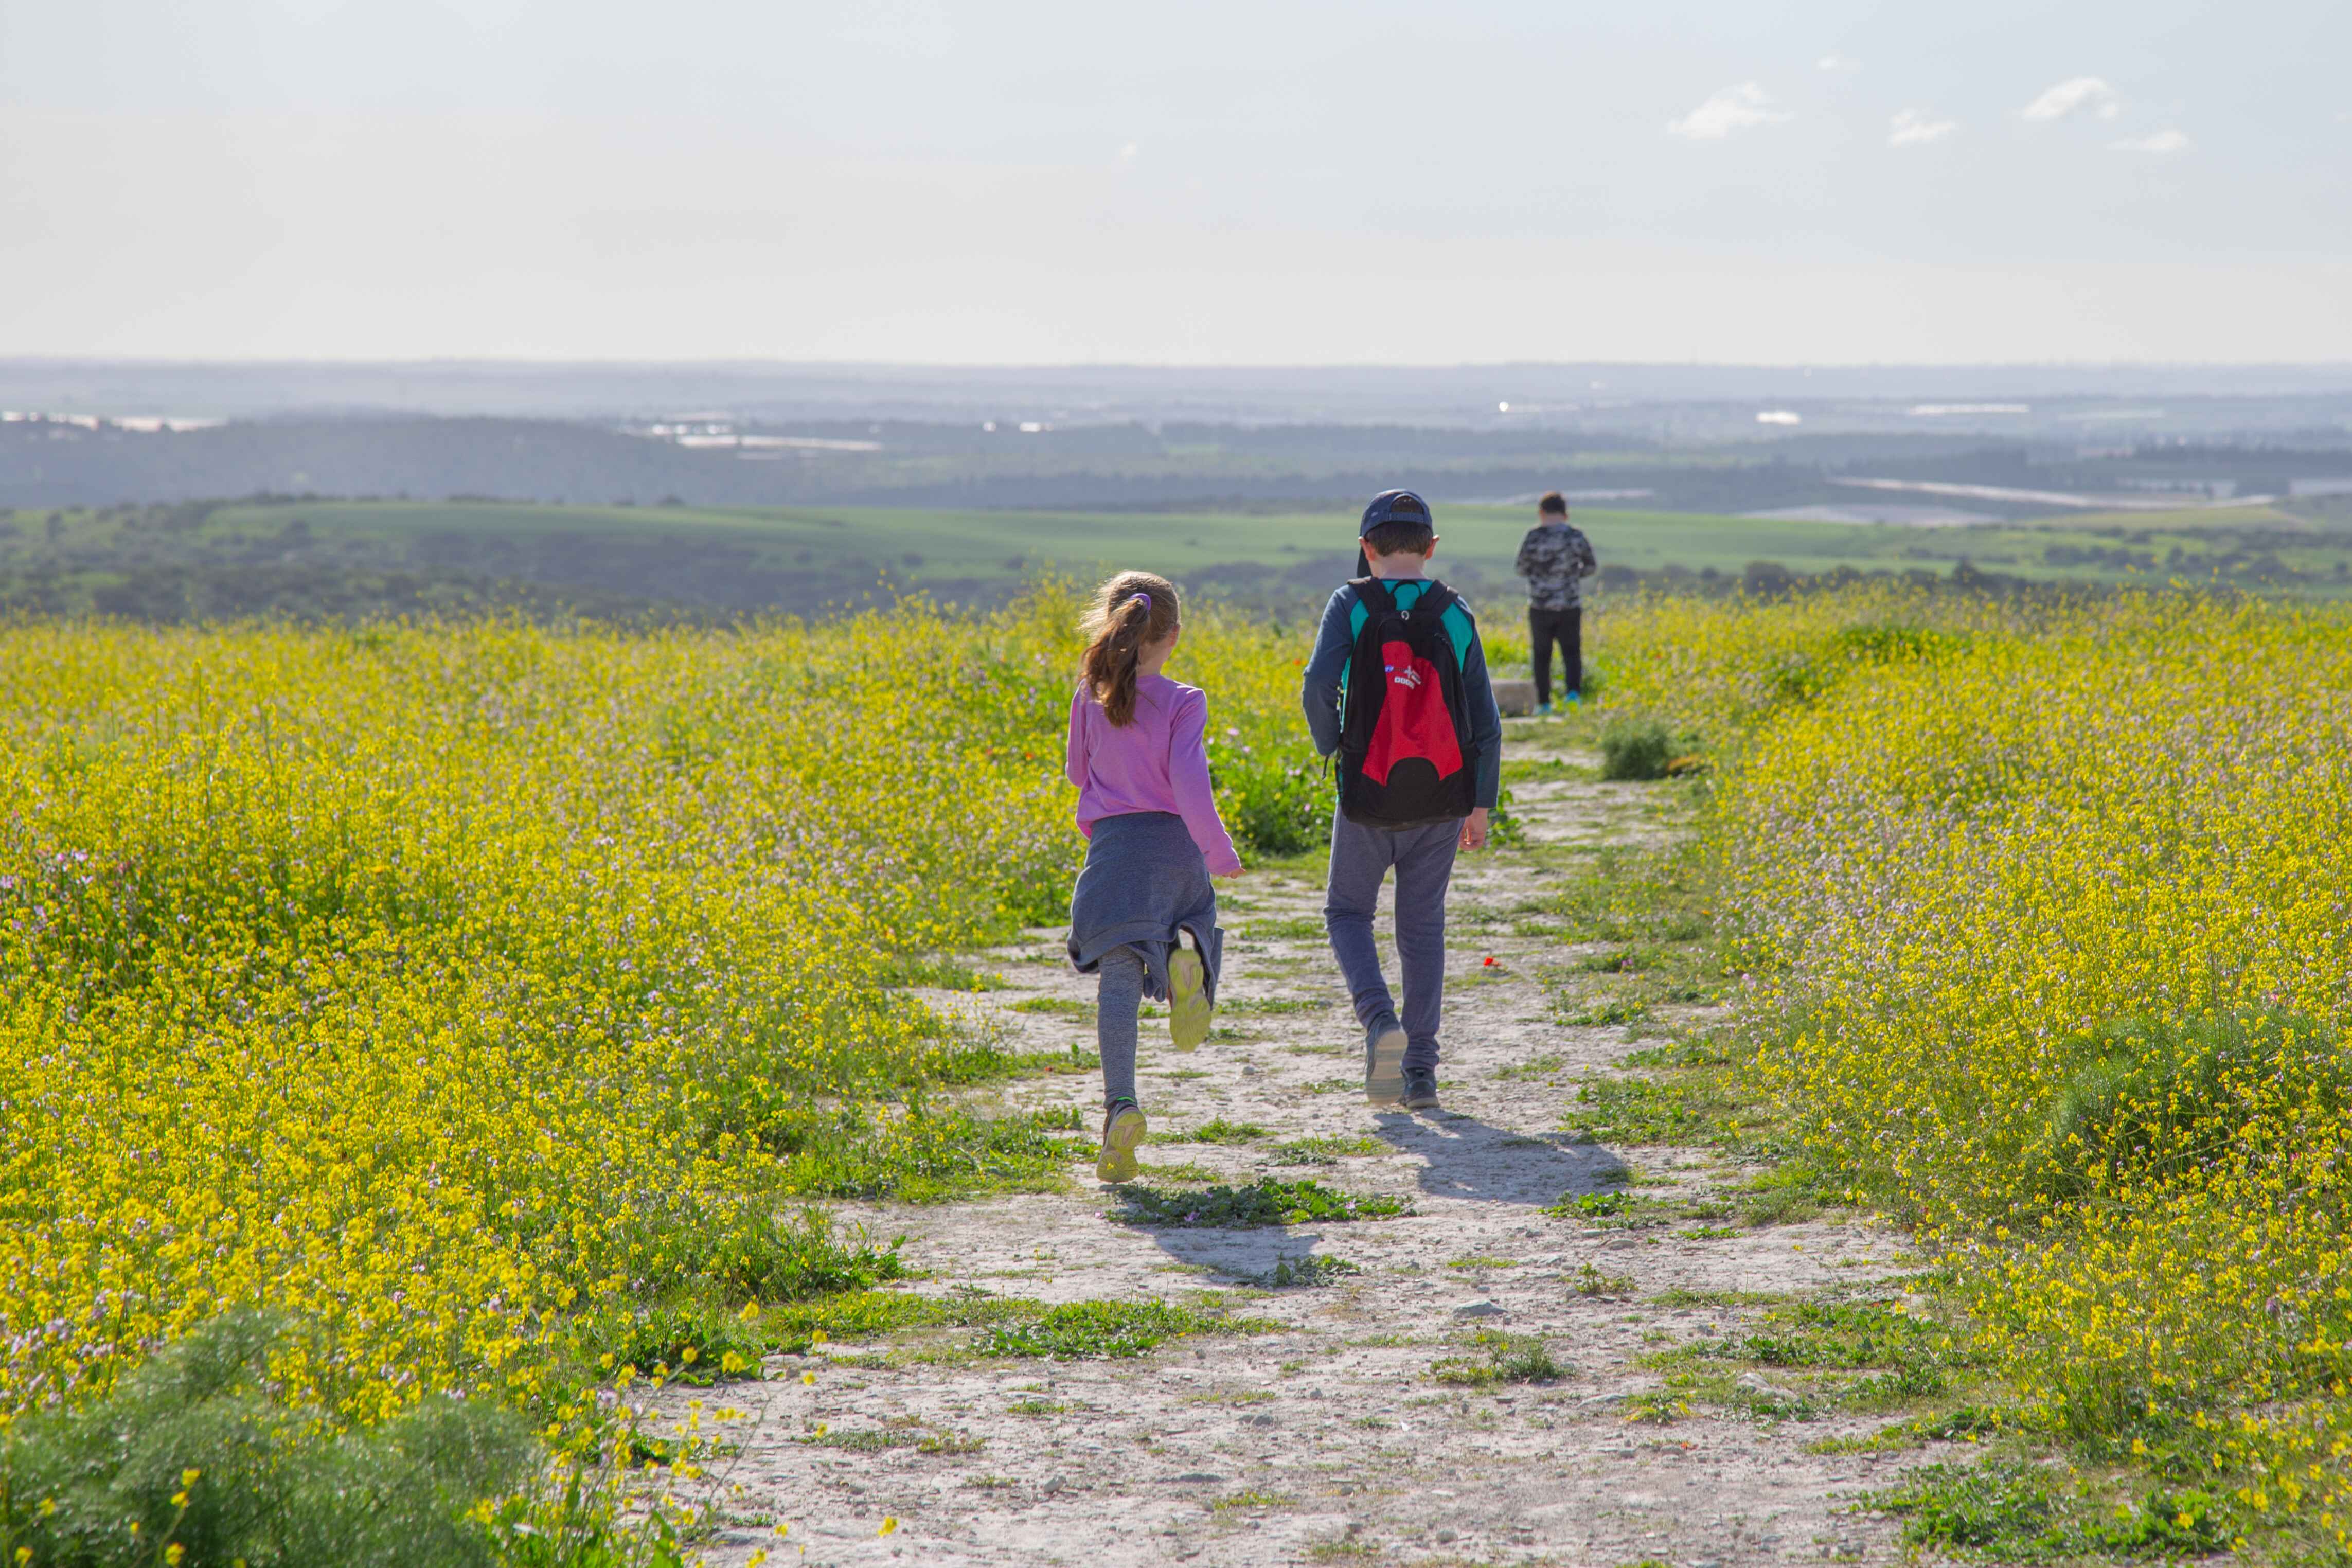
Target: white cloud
(1734, 109)
(1844, 65)
(2076, 95)
(1127, 151)
(2164, 141)
(1916, 128)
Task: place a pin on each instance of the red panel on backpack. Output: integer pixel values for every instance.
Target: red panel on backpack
(1413, 720)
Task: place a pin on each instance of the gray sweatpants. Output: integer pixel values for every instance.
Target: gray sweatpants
(1424, 858)
(1118, 998)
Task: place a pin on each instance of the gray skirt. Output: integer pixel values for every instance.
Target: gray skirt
(1144, 881)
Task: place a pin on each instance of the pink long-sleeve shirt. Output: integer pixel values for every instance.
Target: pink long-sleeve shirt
(1158, 763)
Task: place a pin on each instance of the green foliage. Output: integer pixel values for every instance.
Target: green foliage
(1327, 1149)
(1590, 1281)
(1081, 1330)
(1504, 1358)
(2013, 1510)
(1590, 1205)
(1635, 749)
(863, 1440)
(1543, 1066)
(277, 1486)
(1302, 927)
(1061, 1006)
(1307, 1272)
(1644, 1111)
(2160, 1097)
(1217, 1130)
(1264, 1202)
(695, 1344)
(928, 1154)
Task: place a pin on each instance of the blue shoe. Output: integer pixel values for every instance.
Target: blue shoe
(1572, 699)
(1543, 710)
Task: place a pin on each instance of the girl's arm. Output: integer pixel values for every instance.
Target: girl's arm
(1074, 750)
(1196, 800)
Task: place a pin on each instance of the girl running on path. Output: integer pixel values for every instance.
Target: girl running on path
(1153, 840)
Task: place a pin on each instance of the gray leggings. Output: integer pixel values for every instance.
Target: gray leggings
(1118, 998)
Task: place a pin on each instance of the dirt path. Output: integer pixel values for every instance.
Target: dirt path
(1331, 1439)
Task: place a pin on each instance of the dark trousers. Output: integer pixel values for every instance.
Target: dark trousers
(1566, 628)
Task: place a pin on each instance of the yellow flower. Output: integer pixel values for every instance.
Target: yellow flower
(888, 1524)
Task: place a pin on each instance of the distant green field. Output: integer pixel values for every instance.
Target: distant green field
(962, 546)
(342, 557)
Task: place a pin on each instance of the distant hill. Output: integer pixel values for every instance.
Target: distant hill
(713, 461)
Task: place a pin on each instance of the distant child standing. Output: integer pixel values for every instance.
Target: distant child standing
(1397, 685)
(1153, 840)
(1556, 558)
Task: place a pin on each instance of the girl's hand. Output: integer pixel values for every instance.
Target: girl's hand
(1473, 829)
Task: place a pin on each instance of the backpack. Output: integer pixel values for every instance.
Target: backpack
(1403, 733)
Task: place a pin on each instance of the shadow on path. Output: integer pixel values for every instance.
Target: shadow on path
(1463, 1157)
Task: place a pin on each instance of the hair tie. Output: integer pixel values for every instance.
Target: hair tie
(1143, 598)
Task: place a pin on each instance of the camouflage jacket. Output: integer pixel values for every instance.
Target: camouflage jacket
(1556, 560)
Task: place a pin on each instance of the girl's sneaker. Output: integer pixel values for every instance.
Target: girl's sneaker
(1384, 1043)
(1123, 1128)
(1188, 999)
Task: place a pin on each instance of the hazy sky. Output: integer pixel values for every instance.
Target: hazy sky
(1220, 182)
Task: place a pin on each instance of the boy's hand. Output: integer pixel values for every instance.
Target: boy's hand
(1473, 829)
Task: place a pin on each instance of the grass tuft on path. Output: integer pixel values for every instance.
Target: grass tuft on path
(1264, 1202)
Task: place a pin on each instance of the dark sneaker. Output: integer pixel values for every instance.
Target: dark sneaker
(1421, 1091)
(1123, 1128)
(1384, 1062)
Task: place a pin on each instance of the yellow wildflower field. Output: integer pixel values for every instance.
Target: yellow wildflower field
(450, 985)
(463, 988)
(2051, 914)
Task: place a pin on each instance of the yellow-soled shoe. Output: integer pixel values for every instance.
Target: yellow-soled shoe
(1123, 1128)
(1188, 999)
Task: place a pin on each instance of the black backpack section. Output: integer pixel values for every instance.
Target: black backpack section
(1414, 794)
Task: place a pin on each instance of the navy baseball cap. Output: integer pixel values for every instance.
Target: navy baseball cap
(1396, 506)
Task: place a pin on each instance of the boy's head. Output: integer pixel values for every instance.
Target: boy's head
(1398, 522)
(1553, 505)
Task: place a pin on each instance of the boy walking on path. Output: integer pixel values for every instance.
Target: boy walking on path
(1397, 685)
(1556, 558)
